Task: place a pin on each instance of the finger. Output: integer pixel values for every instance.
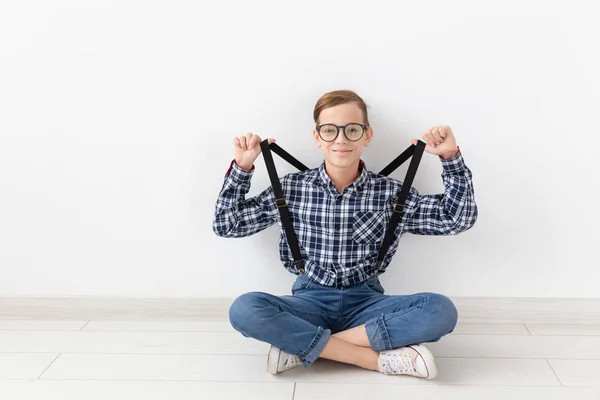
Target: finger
(425, 138)
(257, 140)
(271, 140)
(414, 141)
(448, 131)
(249, 141)
(436, 135)
(428, 138)
(243, 143)
(444, 131)
(236, 142)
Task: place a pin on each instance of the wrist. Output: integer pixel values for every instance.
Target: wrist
(244, 166)
(450, 154)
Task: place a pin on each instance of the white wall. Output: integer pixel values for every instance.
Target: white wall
(116, 120)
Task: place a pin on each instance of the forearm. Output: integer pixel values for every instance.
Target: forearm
(460, 208)
(236, 216)
(451, 212)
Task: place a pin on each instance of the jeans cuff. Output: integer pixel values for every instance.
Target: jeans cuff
(315, 348)
(378, 334)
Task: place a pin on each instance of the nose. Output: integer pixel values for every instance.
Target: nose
(341, 137)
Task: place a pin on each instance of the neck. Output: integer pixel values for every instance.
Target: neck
(342, 177)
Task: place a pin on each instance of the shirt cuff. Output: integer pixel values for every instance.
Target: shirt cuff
(238, 173)
(454, 164)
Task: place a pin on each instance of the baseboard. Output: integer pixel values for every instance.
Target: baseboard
(540, 310)
(563, 311)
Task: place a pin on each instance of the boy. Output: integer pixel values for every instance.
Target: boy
(339, 211)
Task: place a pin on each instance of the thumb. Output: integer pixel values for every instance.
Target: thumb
(428, 148)
(271, 140)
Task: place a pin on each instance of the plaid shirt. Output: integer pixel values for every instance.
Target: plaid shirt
(340, 234)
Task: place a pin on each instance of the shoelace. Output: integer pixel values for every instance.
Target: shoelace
(398, 363)
(290, 361)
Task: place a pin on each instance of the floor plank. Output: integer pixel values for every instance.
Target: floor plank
(127, 390)
(129, 342)
(41, 325)
(160, 326)
(24, 366)
(253, 368)
(517, 346)
(466, 328)
(564, 330)
(353, 391)
(577, 372)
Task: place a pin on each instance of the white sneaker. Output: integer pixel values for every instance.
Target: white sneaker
(280, 361)
(412, 360)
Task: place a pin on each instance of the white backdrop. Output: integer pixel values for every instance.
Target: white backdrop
(117, 119)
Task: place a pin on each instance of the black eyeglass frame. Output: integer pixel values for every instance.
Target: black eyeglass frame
(364, 128)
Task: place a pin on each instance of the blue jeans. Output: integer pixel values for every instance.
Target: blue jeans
(301, 324)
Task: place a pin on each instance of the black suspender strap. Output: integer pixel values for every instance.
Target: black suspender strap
(417, 153)
(281, 201)
(287, 156)
(398, 161)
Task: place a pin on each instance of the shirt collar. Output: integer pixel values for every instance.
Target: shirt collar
(359, 183)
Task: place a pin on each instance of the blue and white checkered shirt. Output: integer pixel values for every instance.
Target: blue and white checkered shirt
(340, 234)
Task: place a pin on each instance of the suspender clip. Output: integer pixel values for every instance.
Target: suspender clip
(377, 266)
(281, 202)
(398, 208)
(299, 265)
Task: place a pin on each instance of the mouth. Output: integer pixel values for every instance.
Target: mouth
(341, 151)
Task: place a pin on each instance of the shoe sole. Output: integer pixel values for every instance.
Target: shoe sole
(273, 360)
(429, 360)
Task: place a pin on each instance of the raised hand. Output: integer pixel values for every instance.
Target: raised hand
(440, 141)
(246, 149)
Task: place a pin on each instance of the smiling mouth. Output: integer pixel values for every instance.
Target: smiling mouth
(342, 151)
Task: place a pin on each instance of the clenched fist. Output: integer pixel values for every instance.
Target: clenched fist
(440, 141)
(246, 149)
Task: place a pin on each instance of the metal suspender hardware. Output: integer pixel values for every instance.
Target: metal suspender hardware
(416, 151)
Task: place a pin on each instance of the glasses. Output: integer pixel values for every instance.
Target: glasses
(352, 131)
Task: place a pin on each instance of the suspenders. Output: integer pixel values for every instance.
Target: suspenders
(280, 201)
(416, 151)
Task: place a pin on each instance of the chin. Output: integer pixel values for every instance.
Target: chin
(341, 163)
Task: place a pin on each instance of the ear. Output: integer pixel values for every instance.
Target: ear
(316, 138)
(368, 136)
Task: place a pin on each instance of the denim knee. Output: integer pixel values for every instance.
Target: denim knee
(443, 312)
(241, 312)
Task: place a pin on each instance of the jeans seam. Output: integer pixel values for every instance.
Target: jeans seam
(341, 310)
(384, 333)
(321, 333)
(378, 335)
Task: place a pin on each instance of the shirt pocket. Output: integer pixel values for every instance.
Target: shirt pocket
(369, 227)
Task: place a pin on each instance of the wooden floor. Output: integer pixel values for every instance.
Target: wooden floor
(206, 359)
